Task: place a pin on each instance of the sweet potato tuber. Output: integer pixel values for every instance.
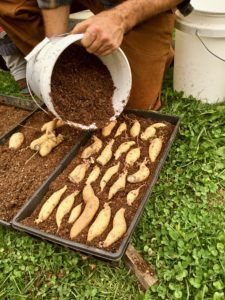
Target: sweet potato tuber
(106, 131)
(93, 175)
(91, 207)
(118, 185)
(78, 173)
(106, 154)
(16, 140)
(93, 148)
(141, 175)
(155, 148)
(65, 207)
(158, 125)
(135, 129)
(50, 126)
(108, 175)
(132, 156)
(47, 146)
(148, 133)
(75, 213)
(121, 129)
(132, 195)
(49, 205)
(100, 224)
(118, 230)
(35, 144)
(124, 147)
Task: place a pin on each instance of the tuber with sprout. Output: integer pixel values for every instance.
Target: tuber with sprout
(93, 175)
(49, 205)
(132, 195)
(47, 146)
(35, 144)
(78, 173)
(100, 224)
(50, 126)
(124, 147)
(118, 185)
(75, 213)
(121, 129)
(106, 131)
(141, 175)
(135, 129)
(155, 148)
(16, 140)
(106, 154)
(132, 156)
(65, 207)
(93, 148)
(108, 175)
(118, 230)
(148, 133)
(91, 208)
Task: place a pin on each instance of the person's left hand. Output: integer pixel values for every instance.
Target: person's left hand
(103, 33)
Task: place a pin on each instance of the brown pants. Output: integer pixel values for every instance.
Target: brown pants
(147, 46)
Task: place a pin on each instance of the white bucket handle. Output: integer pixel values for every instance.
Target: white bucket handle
(198, 36)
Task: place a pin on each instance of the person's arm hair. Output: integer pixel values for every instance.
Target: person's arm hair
(134, 12)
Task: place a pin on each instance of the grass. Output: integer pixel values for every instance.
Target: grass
(181, 232)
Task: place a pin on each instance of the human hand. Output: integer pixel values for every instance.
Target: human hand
(103, 33)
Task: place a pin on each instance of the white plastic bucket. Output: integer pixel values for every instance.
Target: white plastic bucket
(199, 63)
(41, 61)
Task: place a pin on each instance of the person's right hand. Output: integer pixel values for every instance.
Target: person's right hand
(103, 33)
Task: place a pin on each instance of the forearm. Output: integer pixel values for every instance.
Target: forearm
(133, 12)
(56, 20)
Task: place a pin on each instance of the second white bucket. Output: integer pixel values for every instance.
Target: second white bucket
(41, 61)
(199, 63)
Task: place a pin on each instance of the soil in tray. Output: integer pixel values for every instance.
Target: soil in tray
(82, 87)
(119, 200)
(10, 116)
(23, 171)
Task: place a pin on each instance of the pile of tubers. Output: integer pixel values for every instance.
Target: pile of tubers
(94, 213)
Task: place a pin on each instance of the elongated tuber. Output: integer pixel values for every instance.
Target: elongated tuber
(124, 147)
(118, 185)
(16, 140)
(78, 173)
(93, 148)
(155, 148)
(100, 224)
(158, 125)
(47, 146)
(135, 129)
(121, 129)
(118, 230)
(65, 207)
(91, 207)
(132, 195)
(75, 213)
(132, 156)
(148, 133)
(93, 175)
(106, 131)
(108, 175)
(106, 154)
(141, 175)
(49, 205)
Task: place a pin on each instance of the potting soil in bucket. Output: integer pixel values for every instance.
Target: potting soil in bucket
(84, 90)
(82, 87)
